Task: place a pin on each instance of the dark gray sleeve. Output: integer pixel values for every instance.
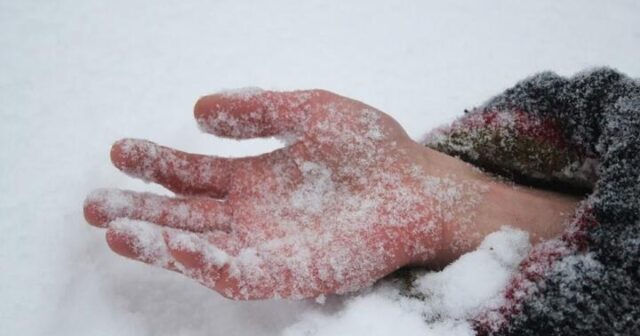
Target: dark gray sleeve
(595, 291)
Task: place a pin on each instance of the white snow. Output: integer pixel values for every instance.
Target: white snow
(452, 296)
(76, 76)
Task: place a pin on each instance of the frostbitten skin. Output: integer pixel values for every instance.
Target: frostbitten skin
(347, 201)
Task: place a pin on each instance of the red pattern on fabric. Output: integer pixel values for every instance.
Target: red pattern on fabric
(542, 257)
(535, 267)
(541, 130)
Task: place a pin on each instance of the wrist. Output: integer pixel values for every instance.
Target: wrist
(491, 204)
(541, 213)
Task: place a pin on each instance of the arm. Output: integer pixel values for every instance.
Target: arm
(577, 134)
(543, 214)
(349, 200)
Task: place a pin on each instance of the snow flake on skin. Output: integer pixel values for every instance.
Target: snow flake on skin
(348, 209)
(146, 240)
(146, 156)
(316, 189)
(112, 201)
(244, 93)
(341, 263)
(223, 123)
(224, 118)
(181, 172)
(187, 241)
(321, 214)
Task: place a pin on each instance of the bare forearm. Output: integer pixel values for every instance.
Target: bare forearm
(541, 213)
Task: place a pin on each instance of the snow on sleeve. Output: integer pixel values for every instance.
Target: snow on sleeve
(442, 303)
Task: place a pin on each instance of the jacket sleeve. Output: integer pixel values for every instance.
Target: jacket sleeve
(578, 135)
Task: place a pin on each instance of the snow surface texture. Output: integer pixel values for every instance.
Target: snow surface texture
(78, 75)
(443, 303)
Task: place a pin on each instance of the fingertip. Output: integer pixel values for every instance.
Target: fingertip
(202, 108)
(94, 209)
(131, 155)
(122, 244)
(117, 153)
(94, 214)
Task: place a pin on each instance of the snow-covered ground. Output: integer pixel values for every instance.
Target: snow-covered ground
(77, 75)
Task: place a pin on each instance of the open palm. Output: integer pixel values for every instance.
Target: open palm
(346, 202)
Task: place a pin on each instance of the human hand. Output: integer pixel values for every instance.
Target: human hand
(350, 199)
